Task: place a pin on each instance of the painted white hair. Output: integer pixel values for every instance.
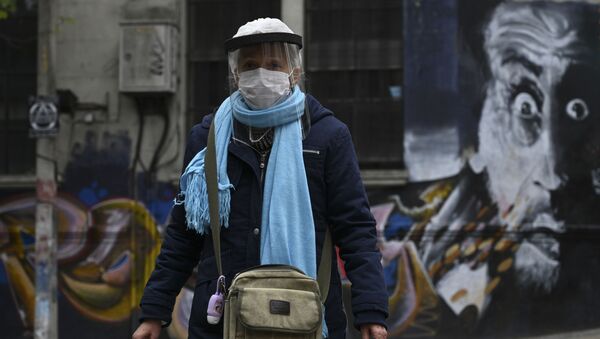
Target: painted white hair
(531, 27)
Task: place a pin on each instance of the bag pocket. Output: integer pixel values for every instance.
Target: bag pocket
(280, 310)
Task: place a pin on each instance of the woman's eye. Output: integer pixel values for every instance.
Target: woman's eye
(525, 106)
(249, 65)
(577, 109)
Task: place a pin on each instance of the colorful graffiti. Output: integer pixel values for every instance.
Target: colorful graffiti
(105, 255)
(107, 244)
(502, 245)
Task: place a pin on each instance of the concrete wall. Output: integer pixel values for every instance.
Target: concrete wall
(87, 62)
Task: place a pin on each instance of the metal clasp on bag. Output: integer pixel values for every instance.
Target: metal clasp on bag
(214, 312)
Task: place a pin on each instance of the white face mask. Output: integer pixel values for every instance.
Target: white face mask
(262, 88)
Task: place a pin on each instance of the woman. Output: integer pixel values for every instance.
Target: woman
(287, 171)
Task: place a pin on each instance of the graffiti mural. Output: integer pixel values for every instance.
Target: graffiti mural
(105, 255)
(107, 244)
(508, 242)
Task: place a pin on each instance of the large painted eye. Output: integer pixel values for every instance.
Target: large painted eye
(577, 109)
(527, 122)
(525, 106)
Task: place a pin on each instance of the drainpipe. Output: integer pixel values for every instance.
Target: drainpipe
(292, 13)
(46, 310)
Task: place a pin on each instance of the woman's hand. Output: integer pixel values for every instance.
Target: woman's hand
(149, 329)
(373, 331)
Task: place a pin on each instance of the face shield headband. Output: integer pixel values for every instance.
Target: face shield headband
(253, 39)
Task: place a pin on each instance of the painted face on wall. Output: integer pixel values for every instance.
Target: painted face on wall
(538, 126)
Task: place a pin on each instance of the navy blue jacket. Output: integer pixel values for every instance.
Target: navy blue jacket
(338, 199)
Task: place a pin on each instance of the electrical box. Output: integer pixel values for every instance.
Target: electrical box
(148, 58)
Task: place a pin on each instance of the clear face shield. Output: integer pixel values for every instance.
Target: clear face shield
(265, 76)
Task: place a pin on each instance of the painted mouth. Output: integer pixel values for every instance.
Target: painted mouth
(545, 240)
(543, 233)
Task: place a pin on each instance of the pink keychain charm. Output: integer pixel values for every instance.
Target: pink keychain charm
(214, 312)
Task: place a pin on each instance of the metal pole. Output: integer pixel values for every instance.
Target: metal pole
(46, 323)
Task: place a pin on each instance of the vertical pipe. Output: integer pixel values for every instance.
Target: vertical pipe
(292, 13)
(46, 318)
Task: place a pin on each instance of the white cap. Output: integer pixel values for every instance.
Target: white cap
(263, 25)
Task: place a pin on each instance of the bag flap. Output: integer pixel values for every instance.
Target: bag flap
(281, 310)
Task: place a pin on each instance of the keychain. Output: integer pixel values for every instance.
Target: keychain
(214, 312)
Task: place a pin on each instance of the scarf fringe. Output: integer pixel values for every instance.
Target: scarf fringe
(196, 204)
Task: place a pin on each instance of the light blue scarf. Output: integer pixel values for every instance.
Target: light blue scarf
(288, 232)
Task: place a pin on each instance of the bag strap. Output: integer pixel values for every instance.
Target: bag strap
(210, 168)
